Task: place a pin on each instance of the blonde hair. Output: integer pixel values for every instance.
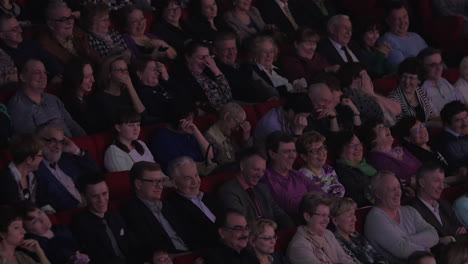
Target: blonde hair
(307, 139)
(257, 227)
(340, 205)
(255, 46)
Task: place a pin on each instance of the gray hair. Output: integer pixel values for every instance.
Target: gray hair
(233, 108)
(376, 182)
(334, 20)
(173, 166)
(41, 129)
(316, 88)
(52, 6)
(463, 64)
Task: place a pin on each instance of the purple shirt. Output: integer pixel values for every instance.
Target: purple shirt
(288, 190)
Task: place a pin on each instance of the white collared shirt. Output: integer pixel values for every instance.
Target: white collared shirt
(342, 53)
(275, 78)
(434, 208)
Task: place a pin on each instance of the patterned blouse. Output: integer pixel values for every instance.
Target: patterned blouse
(360, 249)
(105, 45)
(407, 109)
(217, 90)
(328, 180)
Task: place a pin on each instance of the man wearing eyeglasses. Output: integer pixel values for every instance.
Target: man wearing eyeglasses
(64, 164)
(153, 221)
(63, 39)
(234, 233)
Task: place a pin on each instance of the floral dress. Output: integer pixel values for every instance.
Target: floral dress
(328, 180)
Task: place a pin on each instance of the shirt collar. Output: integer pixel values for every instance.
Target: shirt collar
(192, 197)
(152, 205)
(434, 207)
(14, 170)
(280, 3)
(336, 44)
(261, 67)
(452, 132)
(217, 134)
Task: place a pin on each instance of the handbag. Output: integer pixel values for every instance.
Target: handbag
(208, 166)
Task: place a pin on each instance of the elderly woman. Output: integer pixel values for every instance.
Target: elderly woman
(17, 181)
(171, 29)
(262, 241)
(382, 155)
(413, 99)
(354, 244)
(313, 242)
(462, 82)
(116, 93)
(302, 61)
(204, 21)
(439, 90)
(312, 149)
(231, 118)
(105, 40)
(352, 169)
(12, 238)
(57, 241)
(359, 88)
(126, 148)
(203, 82)
(385, 222)
(139, 42)
(244, 19)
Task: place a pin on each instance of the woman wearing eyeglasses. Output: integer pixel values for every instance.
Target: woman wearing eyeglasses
(313, 242)
(262, 242)
(312, 149)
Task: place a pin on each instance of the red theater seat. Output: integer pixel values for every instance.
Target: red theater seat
(451, 74)
(212, 183)
(147, 131)
(251, 115)
(102, 140)
(204, 122)
(361, 214)
(452, 193)
(119, 185)
(190, 257)
(385, 85)
(66, 217)
(284, 236)
(87, 143)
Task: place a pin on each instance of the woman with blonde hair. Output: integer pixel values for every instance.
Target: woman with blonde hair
(262, 241)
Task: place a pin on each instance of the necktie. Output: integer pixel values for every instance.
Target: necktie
(288, 14)
(251, 193)
(112, 239)
(348, 56)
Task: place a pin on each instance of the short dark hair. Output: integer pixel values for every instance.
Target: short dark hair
(191, 47)
(224, 35)
(329, 79)
(8, 214)
(341, 139)
(394, 5)
(411, 65)
(25, 208)
(25, 67)
(306, 33)
(249, 153)
(298, 103)
(23, 146)
(221, 221)
(90, 11)
(73, 76)
(90, 179)
(274, 139)
(310, 201)
(348, 72)
(367, 134)
(163, 4)
(139, 168)
(4, 17)
(417, 256)
(403, 127)
(429, 51)
(139, 64)
(451, 109)
(426, 168)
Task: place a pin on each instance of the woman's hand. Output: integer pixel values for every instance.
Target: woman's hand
(299, 123)
(245, 127)
(31, 245)
(162, 71)
(211, 64)
(324, 113)
(385, 48)
(347, 102)
(123, 78)
(188, 127)
(69, 146)
(366, 87)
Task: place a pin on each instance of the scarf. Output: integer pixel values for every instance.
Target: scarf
(363, 167)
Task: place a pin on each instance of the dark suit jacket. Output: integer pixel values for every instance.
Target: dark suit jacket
(90, 232)
(199, 231)
(309, 14)
(327, 50)
(272, 14)
(9, 192)
(226, 255)
(233, 195)
(455, 150)
(147, 230)
(51, 191)
(264, 88)
(447, 215)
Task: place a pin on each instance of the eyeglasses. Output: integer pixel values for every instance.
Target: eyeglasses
(54, 141)
(174, 9)
(138, 21)
(14, 29)
(321, 215)
(316, 151)
(268, 238)
(419, 128)
(238, 228)
(121, 70)
(154, 182)
(435, 64)
(355, 145)
(64, 19)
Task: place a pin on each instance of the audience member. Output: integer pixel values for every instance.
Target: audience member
(201, 79)
(126, 148)
(312, 149)
(437, 212)
(462, 82)
(245, 20)
(394, 230)
(204, 21)
(301, 61)
(150, 219)
(456, 254)
(196, 210)
(57, 241)
(12, 239)
(313, 242)
(338, 48)
(245, 194)
(460, 207)
(231, 118)
(353, 171)
(234, 232)
(63, 40)
(31, 106)
(280, 13)
(421, 257)
(315, 14)
(452, 8)
(8, 70)
(161, 257)
(404, 44)
(171, 28)
(439, 90)
(113, 5)
(116, 93)
(17, 181)
(14, 9)
(290, 118)
(101, 234)
(138, 41)
(286, 184)
(181, 137)
(355, 245)
(62, 167)
(413, 99)
(262, 241)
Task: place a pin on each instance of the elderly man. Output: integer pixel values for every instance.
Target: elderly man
(101, 234)
(287, 185)
(453, 141)
(430, 179)
(338, 47)
(150, 219)
(234, 232)
(394, 230)
(21, 50)
(64, 164)
(63, 39)
(195, 209)
(404, 44)
(246, 194)
(30, 106)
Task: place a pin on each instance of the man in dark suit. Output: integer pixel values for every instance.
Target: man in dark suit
(315, 13)
(60, 170)
(245, 194)
(338, 47)
(195, 210)
(279, 13)
(437, 212)
(150, 219)
(101, 234)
